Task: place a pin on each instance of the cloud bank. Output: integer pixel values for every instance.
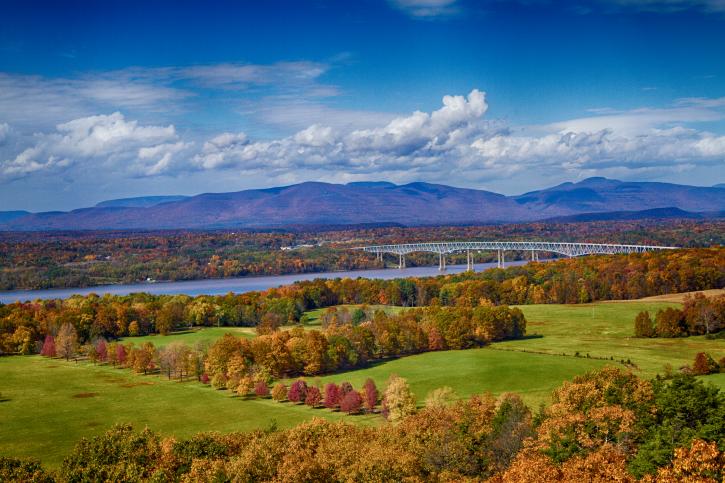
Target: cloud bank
(453, 143)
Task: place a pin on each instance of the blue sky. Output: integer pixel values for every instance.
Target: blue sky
(105, 99)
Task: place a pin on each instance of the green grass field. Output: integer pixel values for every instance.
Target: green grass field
(191, 337)
(48, 405)
(606, 329)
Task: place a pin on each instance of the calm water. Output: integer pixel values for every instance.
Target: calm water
(237, 285)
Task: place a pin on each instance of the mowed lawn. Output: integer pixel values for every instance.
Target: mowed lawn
(193, 336)
(48, 405)
(606, 329)
(474, 371)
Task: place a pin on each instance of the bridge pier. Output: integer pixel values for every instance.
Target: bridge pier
(469, 261)
(501, 259)
(401, 261)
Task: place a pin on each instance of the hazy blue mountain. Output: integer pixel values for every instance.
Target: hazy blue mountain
(6, 216)
(139, 202)
(321, 204)
(594, 195)
(653, 214)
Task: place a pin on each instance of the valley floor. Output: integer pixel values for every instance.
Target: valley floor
(48, 405)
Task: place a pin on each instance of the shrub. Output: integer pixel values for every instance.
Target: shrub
(351, 403)
(204, 378)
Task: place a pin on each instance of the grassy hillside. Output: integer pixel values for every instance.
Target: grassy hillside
(606, 329)
(47, 405)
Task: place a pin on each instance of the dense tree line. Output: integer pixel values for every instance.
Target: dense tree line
(23, 326)
(608, 425)
(700, 315)
(78, 259)
(232, 362)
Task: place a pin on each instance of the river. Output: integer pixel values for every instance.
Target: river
(237, 285)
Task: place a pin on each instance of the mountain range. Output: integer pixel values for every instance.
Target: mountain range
(315, 203)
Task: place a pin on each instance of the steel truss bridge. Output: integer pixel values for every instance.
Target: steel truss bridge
(534, 247)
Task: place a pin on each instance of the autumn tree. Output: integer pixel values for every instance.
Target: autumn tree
(351, 402)
(670, 323)
(242, 387)
(441, 396)
(298, 391)
(66, 343)
(48, 349)
(313, 396)
(370, 392)
(643, 326)
(261, 389)
(279, 392)
(398, 400)
(332, 395)
(704, 364)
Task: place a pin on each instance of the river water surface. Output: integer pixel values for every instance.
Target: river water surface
(236, 285)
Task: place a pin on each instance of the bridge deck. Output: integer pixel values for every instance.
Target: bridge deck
(563, 248)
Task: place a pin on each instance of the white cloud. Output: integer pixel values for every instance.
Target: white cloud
(104, 142)
(453, 144)
(426, 8)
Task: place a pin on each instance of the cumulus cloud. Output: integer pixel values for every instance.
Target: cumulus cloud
(417, 139)
(455, 144)
(104, 142)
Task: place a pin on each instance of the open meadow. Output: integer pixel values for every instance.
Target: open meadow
(48, 405)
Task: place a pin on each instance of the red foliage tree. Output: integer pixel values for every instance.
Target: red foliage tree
(351, 403)
(345, 387)
(261, 389)
(704, 364)
(102, 350)
(48, 349)
(204, 378)
(371, 395)
(298, 391)
(313, 397)
(332, 395)
(121, 355)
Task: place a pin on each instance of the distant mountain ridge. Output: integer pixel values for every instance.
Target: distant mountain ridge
(315, 203)
(139, 202)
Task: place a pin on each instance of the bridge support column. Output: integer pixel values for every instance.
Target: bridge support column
(401, 261)
(501, 259)
(441, 261)
(469, 261)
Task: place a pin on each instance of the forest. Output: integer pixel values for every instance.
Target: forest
(32, 260)
(24, 325)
